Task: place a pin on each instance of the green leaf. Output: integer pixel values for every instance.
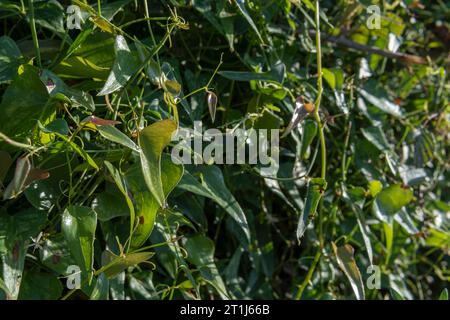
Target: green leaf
(152, 140)
(117, 264)
(109, 204)
(377, 137)
(389, 234)
(125, 66)
(346, 261)
(309, 133)
(40, 286)
(355, 199)
(78, 226)
(43, 194)
(89, 56)
(79, 150)
(444, 295)
(379, 99)
(438, 238)
(10, 59)
(24, 102)
(316, 188)
(115, 135)
(15, 232)
(423, 147)
(13, 263)
(60, 91)
(213, 186)
(145, 203)
(55, 254)
(244, 12)
(329, 78)
(58, 125)
(276, 74)
(49, 15)
(101, 289)
(375, 187)
(121, 184)
(391, 199)
(201, 253)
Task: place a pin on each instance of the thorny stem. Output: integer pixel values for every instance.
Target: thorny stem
(323, 151)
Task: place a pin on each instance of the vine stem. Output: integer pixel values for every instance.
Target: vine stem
(322, 149)
(34, 33)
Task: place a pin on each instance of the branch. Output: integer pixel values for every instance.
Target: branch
(341, 40)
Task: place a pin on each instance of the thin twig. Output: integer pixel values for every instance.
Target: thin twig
(341, 40)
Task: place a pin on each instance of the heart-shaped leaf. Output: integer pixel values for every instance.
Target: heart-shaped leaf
(152, 140)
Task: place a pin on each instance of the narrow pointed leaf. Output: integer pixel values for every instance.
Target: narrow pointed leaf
(316, 188)
(346, 261)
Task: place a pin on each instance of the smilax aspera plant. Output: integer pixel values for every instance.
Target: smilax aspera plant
(312, 142)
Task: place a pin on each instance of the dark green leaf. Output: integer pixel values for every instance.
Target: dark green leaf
(78, 226)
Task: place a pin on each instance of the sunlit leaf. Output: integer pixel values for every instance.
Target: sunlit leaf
(346, 261)
(152, 140)
(78, 226)
(125, 65)
(391, 199)
(316, 188)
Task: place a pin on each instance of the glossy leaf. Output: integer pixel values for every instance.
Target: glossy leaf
(381, 102)
(346, 261)
(115, 135)
(152, 140)
(78, 226)
(125, 65)
(89, 57)
(109, 205)
(101, 289)
(58, 90)
(10, 59)
(145, 203)
(121, 184)
(24, 102)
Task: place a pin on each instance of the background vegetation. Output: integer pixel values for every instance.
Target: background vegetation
(85, 123)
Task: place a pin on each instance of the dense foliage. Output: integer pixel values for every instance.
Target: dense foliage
(359, 207)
